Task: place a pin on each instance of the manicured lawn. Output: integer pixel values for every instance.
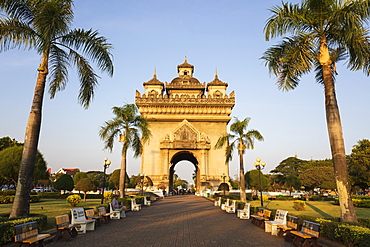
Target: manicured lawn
(52, 208)
(320, 209)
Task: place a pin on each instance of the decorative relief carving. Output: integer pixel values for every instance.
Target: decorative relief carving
(185, 134)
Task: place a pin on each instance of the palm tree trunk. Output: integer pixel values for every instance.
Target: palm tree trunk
(21, 204)
(337, 147)
(242, 178)
(122, 176)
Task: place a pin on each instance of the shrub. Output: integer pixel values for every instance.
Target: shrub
(108, 195)
(7, 230)
(299, 205)
(73, 200)
(353, 235)
(264, 198)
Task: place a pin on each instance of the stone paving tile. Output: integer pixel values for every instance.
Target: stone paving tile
(178, 221)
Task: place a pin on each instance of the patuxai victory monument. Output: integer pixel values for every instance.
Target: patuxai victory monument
(186, 119)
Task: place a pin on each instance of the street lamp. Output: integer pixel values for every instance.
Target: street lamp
(223, 184)
(142, 183)
(259, 166)
(106, 165)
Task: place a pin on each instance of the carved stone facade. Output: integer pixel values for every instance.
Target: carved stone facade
(186, 119)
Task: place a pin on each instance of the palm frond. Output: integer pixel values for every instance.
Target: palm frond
(95, 47)
(290, 59)
(88, 79)
(17, 9)
(58, 63)
(284, 19)
(53, 19)
(16, 34)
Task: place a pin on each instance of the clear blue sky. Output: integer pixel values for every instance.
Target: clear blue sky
(222, 35)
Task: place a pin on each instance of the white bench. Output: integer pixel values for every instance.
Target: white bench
(280, 219)
(231, 208)
(114, 214)
(134, 206)
(78, 217)
(226, 204)
(146, 202)
(218, 202)
(244, 213)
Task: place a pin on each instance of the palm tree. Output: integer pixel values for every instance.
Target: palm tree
(131, 129)
(241, 139)
(44, 26)
(322, 32)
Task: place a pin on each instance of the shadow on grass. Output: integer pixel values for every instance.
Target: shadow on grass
(319, 211)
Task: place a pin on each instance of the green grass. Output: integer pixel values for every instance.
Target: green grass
(320, 209)
(52, 208)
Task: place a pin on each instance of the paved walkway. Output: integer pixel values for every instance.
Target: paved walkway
(183, 220)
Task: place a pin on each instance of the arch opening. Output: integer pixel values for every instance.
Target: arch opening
(175, 160)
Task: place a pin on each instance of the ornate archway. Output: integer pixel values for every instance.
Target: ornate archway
(181, 156)
(186, 119)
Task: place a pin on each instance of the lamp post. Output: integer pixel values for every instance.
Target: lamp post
(106, 165)
(259, 166)
(223, 178)
(142, 183)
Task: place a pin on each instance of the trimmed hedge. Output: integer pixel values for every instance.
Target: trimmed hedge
(6, 225)
(10, 199)
(358, 201)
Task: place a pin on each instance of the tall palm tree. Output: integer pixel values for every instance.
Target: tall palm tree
(322, 32)
(44, 26)
(240, 139)
(129, 128)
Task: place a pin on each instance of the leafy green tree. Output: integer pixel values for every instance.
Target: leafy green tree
(85, 185)
(253, 180)
(6, 142)
(97, 177)
(45, 26)
(359, 164)
(178, 182)
(64, 182)
(78, 176)
(114, 178)
(317, 34)
(291, 166)
(234, 184)
(129, 128)
(314, 177)
(10, 161)
(293, 182)
(240, 139)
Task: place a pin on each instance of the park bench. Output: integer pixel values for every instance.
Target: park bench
(78, 217)
(308, 234)
(217, 203)
(114, 214)
(261, 216)
(245, 212)
(226, 204)
(103, 213)
(134, 206)
(146, 202)
(284, 229)
(65, 230)
(90, 215)
(232, 208)
(280, 219)
(28, 234)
